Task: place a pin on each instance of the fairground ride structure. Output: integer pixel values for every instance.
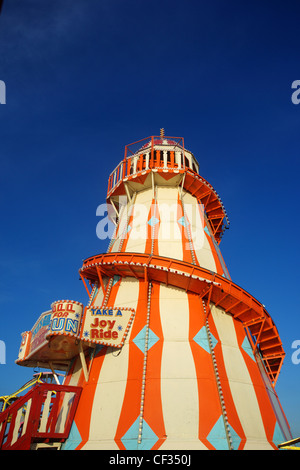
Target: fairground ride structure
(168, 353)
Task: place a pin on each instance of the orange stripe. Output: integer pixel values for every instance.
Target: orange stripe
(219, 268)
(150, 232)
(265, 406)
(232, 415)
(209, 403)
(127, 234)
(186, 249)
(210, 241)
(85, 405)
(132, 397)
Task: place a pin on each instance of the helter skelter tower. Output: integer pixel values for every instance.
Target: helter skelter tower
(169, 352)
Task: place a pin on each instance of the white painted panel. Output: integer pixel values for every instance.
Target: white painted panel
(169, 236)
(179, 390)
(139, 225)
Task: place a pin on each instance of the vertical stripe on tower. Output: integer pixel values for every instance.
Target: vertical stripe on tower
(153, 413)
(137, 233)
(131, 403)
(209, 403)
(169, 236)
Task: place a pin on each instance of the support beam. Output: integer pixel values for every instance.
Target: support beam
(83, 362)
(181, 185)
(153, 183)
(127, 191)
(208, 301)
(83, 280)
(115, 209)
(100, 279)
(54, 374)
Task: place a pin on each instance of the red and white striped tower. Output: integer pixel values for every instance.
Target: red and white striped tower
(173, 354)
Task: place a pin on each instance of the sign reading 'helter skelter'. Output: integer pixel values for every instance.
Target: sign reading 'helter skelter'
(107, 326)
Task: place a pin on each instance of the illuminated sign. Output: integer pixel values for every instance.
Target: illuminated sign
(65, 318)
(57, 333)
(108, 326)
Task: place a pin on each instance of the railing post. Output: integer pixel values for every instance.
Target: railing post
(152, 152)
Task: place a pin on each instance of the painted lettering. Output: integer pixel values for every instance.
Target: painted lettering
(70, 308)
(105, 311)
(57, 324)
(111, 324)
(94, 333)
(71, 325)
(96, 323)
(60, 314)
(63, 307)
(108, 334)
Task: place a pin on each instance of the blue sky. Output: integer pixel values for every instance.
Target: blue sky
(85, 78)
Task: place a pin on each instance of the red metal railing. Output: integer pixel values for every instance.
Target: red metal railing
(150, 157)
(146, 158)
(46, 412)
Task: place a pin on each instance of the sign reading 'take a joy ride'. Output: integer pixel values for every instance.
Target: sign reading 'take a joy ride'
(108, 326)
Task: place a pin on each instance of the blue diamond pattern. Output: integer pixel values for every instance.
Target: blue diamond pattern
(130, 438)
(247, 348)
(206, 230)
(116, 279)
(201, 339)
(182, 221)
(73, 440)
(153, 221)
(217, 436)
(139, 340)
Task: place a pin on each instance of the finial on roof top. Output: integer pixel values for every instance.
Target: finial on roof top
(162, 132)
